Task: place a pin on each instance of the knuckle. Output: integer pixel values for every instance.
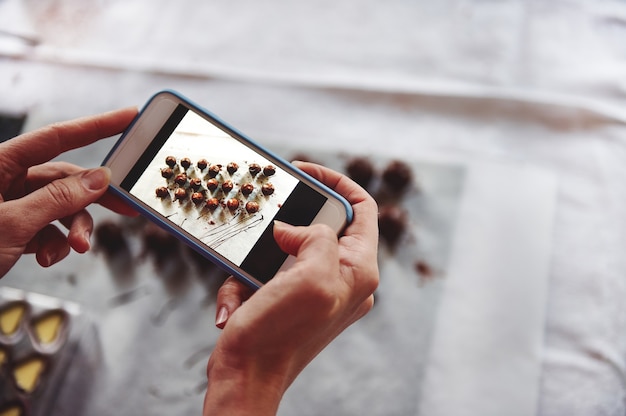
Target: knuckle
(61, 193)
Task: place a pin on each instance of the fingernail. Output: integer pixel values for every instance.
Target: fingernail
(222, 317)
(281, 225)
(51, 258)
(96, 179)
(87, 237)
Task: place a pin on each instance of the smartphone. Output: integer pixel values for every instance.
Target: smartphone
(215, 189)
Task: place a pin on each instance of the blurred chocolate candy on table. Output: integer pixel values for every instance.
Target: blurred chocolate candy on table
(397, 176)
(109, 237)
(392, 223)
(360, 170)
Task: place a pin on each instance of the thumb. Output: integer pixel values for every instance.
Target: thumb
(319, 240)
(60, 198)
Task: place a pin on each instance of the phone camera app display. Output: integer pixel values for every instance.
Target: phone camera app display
(221, 191)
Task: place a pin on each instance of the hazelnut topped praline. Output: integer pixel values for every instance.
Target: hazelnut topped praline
(232, 167)
(252, 207)
(170, 161)
(202, 164)
(197, 198)
(162, 192)
(212, 203)
(214, 170)
(185, 163)
(254, 169)
(195, 184)
(232, 204)
(267, 189)
(212, 184)
(227, 186)
(247, 189)
(167, 173)
(269, 170)
(180, 194)
(181, 179)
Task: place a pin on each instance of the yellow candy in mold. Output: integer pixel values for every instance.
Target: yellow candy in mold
(28, 373)
(47, 328)
(3, 359)
(11, 411)
(11, 317)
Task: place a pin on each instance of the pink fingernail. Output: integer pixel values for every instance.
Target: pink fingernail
(222, 317)
(51, 258)
(96, 179)
(87, 237)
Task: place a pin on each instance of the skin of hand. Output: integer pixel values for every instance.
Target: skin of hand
(269, 338)
(34, 192)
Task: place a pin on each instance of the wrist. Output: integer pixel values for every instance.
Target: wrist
(241, 390)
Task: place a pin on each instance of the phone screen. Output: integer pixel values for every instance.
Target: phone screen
(186, 174)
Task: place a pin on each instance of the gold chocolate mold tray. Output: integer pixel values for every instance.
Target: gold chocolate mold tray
(39, 336)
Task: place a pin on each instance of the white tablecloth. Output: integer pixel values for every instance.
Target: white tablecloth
(529, 95)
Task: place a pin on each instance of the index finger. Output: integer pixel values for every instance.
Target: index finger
(39, 146)
(365, 223)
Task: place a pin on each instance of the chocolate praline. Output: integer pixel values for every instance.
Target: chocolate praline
(392, 223)
(181, 179)
(232, 204)
(361, 171)
(212, 184)
(185, 163)
(269, 170)
(167, 173)
(232, 167)
(252, 207)
(247, 189)
(195, 184)
(202, 164)
(227, 186)
(397, 176)
(267, 189)
(170, 161)
(162, 192)
(254, 169)
(212, 203)
(197, 198)
(214, 170)
(180, 194)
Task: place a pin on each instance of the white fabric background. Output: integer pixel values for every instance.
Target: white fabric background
(526, 84)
